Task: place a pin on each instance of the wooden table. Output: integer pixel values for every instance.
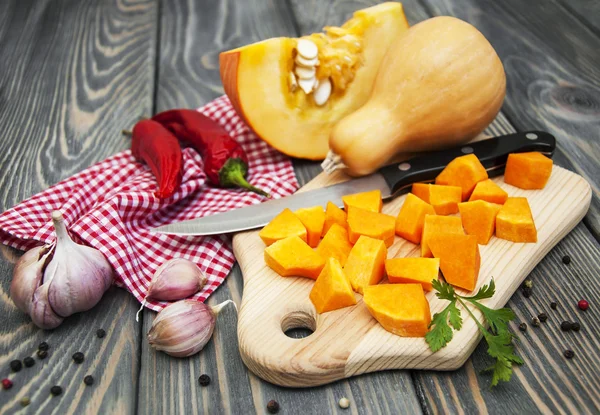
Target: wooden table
(73, 74)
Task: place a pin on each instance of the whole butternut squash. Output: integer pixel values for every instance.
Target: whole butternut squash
(440, 84)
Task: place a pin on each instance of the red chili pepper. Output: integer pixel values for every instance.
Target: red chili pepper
(160, 150)
(225, 162)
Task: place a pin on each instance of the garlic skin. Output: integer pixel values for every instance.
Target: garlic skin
(29, 271)
(176, 279)
(41, 312)
(183, 328)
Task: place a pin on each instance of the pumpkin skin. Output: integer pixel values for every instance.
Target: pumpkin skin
(439, 85)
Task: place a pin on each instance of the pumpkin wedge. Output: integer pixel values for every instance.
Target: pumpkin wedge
(283, 226)
(514, 221)
(421, 190)
(365, 200)
(459, 258)
(372, 224)
(292, 256)
(479, 219)
(332, 290)
(335, 244)
(410, 220)
(464, 172)
(313, 219)
(438, 224)
(413, 270)
(366, 263)
(489, 191)
(334, 214)
(444, 199)
(528, 170)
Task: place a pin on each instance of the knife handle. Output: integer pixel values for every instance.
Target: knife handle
(492, 153)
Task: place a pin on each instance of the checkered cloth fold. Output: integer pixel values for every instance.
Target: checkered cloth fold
(111, 206)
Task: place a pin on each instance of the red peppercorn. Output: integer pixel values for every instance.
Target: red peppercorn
(583, 305)
(7, 383)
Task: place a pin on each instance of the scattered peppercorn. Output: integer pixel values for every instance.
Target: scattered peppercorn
(575, 326)
(535, 322)
(566, 326)
(204, 380)
(29, 361)
(543, 317)
(523, 327)
(527, 291)
(43, 346)
(344, 403)
(78, 357)
(7, 383)
(16, 365)
(583, 305)
(273, 407)
(569, 354)
(88, 380)
(528, 284)
(55, 390)
(42, 354)
(25, 401)
(100, 333)
(553, 305)
(566, 260)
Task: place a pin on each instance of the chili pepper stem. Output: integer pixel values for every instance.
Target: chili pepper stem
(233, 173)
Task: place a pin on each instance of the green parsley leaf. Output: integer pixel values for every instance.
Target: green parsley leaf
(487, 291)
(444, 290)
(455, 317)
(440, 333)
(497, 319)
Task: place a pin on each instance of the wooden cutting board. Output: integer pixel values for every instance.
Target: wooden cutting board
(349, 341)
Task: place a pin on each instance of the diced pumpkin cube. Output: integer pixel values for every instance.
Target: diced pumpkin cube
(401, 309)
(421, 190)
(409, 223)
(514, 221)
(489, 191)
(459, 258)
(465, 172)
(528, 170)
(332, 290)
(413, 271)
(335, 244)
(366, 200)
(293, 257)
(366, 263)
(373, 224)
(479, 219)
(437, 224)
(333, 214)
(283, 226)
(313, 219)
(444, 199)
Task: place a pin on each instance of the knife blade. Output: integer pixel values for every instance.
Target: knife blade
(391, 180)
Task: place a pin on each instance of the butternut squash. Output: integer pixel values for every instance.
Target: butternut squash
(334, 214)
(440, 84)
(444, 199)
(335, 244)
(332, 290)
(438, 224)
(365, 200)
(479, 219)
(372, 224)
(366, 263)
(421, 190)
(293, 257)
(313, 219)
(459, 258)
(465, 172)
(282, 226)
(410, 220)
(528, 170)
(489, 191)
(514, 221)
(401, 309)
(413, 271)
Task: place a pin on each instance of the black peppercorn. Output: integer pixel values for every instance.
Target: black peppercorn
(100, 333)
(569, 354)
(43, 346)
(553, 305)
(566, 260)
(88, 380)
(566, 326)
(543, 317)
(527, 291)
(535, 322)
(523, 327)
(16, 365)
(273, 407)
(55, 390)
(204, 380)
(29, 361)
(575, 326)
(78, 357)
(42, 354)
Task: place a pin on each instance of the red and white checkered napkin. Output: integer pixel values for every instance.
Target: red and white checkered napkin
(111, 205)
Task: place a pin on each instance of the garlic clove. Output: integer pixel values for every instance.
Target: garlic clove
(176, 279)
(41, 312)
(27, 276)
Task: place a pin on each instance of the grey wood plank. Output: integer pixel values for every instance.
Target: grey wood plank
(586, 11)
(72, 75)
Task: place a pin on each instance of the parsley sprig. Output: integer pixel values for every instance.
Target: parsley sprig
(498, 337)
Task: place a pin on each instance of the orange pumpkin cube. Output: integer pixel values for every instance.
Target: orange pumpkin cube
(413, 270)
(332, 290)
(401, 309)
(528, 170)
(373, 224)
(459, 258)
(409, 223)
(421, 190)
(489, 191)
(333, 214)
(283, 226)
(366, 200)
(313, 219)
(514, 221)
(444, 199)
(479, 219)
(293, 257)
(335, 244)
(366, 263)
(465, 172)
(437, 224)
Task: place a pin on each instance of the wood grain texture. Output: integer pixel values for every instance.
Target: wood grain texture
(72, 75)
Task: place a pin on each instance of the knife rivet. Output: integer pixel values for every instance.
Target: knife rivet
(531, 136)
(404, 166)
(467, 150)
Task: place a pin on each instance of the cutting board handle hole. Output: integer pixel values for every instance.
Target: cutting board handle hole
(298, 324)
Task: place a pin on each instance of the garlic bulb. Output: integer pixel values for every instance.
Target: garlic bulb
(183, 328)
(28, 272)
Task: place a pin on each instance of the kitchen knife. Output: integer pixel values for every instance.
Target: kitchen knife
(391, 180)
